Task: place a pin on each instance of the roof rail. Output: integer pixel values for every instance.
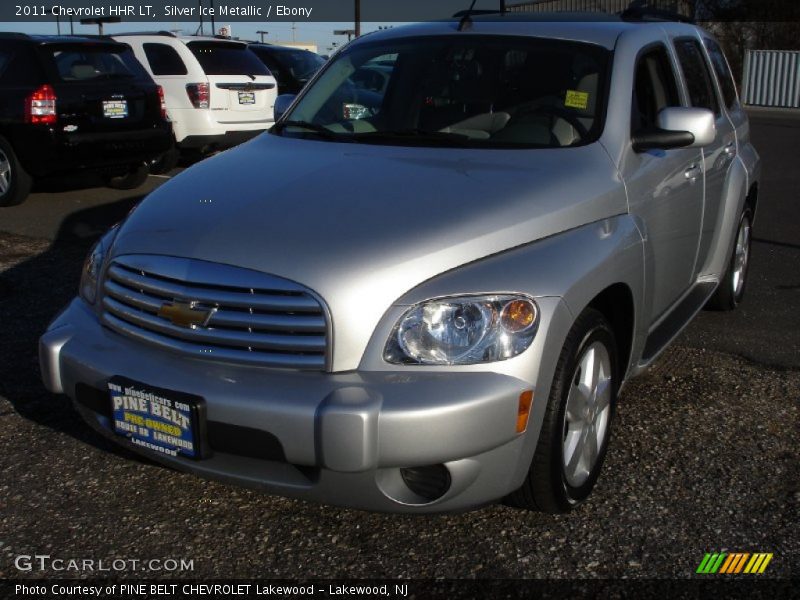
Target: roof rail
(640, 11)
(162, 33)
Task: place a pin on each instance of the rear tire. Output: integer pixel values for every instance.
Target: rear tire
(134, 178)
(15, 183)
(730, 291)
(167, 162)
(577, 423)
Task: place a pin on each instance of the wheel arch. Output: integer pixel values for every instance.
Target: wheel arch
(616, 304)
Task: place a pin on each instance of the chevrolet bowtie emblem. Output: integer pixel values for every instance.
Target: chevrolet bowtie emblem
(185, 314)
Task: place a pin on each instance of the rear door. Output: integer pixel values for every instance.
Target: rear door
(241, 88)
(100, 88)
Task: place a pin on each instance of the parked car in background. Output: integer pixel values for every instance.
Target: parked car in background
(292, 67)
(218, 94)
(431, 303)
(72, 105)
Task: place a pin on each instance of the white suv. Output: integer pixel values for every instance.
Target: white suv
(218, 93)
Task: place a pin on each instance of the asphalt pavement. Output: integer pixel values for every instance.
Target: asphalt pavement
(703, 456)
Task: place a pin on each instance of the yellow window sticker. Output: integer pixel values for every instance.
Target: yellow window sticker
(576, 99)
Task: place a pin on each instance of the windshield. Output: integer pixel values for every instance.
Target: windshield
(476, 91)
(223, 58)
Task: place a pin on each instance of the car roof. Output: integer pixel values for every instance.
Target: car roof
(57, 39)
(209, 38)
(279, 48)
(166, 35)
(595, 28)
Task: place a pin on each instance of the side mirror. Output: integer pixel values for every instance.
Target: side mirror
(282, 104)
(678, 127)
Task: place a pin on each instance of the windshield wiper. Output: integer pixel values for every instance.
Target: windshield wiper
(413, 135)
(320, 130)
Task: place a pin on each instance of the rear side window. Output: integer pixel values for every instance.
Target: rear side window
(221, 58)
(21, 67)
(5, 57)
(85, 63)
(696, 74)
(723, 72)
(655, 88)
(164, 60)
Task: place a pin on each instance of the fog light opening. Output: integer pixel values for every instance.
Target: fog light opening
(429, 482)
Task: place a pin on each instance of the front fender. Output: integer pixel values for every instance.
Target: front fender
(564, 273)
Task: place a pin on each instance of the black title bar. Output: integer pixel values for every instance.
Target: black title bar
(161, 11)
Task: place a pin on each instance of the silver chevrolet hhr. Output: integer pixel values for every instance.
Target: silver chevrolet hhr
(424, 288)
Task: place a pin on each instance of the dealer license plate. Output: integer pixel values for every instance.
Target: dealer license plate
(164, 421)
(115, 109)
(247, 97)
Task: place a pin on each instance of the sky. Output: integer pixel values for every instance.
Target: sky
(320, 33)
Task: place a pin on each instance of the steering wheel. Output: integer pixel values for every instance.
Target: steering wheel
(554, 111)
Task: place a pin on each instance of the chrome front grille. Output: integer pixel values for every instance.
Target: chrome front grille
(253, 318)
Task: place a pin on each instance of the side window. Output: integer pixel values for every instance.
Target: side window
(5, 56)
(164, 60)
(696, 75)
(22, 67)
(654, 88)
(723, 72)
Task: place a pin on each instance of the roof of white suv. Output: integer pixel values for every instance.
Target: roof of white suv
(162, 35)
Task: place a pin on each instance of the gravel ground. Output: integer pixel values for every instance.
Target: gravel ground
(703, 458)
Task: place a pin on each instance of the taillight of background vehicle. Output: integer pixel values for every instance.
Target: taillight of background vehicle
(198, 94)
(163, 101)
(40, 106)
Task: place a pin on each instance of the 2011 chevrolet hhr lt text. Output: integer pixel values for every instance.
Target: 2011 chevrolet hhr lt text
(424, 287)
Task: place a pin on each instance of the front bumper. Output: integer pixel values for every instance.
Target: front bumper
(335, 438)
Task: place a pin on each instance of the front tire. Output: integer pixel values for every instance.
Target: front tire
(730, 291)
(577, 423)
(15, 183)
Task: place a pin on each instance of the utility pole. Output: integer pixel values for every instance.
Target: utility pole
(358, 18)
(58, 21)
(200, 4)
(294, 28)
(213, 24)
(262, 34)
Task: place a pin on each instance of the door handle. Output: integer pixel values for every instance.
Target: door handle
(693, 172)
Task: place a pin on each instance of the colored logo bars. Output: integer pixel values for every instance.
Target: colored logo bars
(733, 563)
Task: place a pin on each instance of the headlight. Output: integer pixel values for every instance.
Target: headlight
(463, 331)
(93, 265)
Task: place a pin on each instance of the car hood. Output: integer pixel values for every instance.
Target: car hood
(362, 224)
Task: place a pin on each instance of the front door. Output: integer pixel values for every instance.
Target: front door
(665, 187)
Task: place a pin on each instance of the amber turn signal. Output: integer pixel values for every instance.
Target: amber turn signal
(524, 410)
(518, 315)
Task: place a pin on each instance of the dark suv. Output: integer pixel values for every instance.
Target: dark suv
(292, 67)
(70, 105)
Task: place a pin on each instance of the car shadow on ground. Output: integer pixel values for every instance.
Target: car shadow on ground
(32, 292)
